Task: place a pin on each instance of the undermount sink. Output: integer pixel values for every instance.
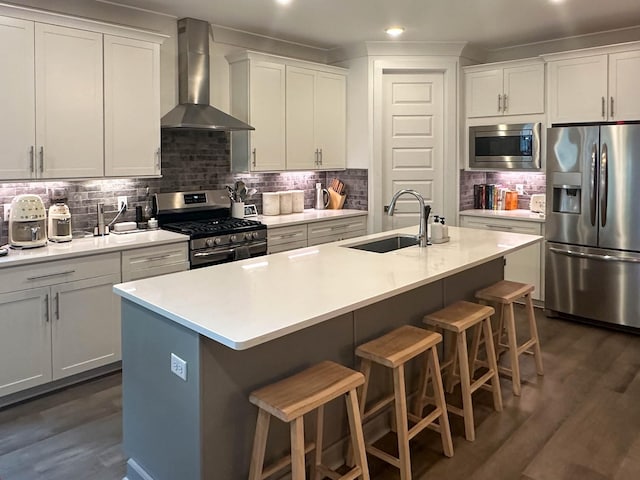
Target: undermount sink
(388, 244)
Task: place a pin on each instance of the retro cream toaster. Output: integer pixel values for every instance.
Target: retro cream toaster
(538, 203)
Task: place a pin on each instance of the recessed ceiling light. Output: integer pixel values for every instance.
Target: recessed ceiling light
(283, 2)
(394, 31)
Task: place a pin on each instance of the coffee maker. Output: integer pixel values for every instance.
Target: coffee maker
(59, 225)
(27, 222)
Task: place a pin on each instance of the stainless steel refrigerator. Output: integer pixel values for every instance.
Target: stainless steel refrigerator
(593, 223)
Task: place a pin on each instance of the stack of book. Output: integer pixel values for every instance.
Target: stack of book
(494, 197)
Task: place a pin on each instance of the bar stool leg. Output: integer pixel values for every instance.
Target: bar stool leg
(533, 329)
(513, 350)
(475, 346)
(297, 449)
(259, 445)
(418, 405)
(357, 437)
(401, 423)
(452, 357)
(493, 364)
(465, 384)
(438, 394)
(317, 457)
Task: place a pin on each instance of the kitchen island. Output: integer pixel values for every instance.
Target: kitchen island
(241, 325)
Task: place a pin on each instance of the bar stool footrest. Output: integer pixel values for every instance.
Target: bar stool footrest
(422, 424)
(481, 381)
(285, 461)
(384, 456)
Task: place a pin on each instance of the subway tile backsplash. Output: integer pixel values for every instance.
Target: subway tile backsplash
(191, 160)
(533, 182)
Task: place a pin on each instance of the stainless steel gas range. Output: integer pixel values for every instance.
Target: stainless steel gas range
(215, 237)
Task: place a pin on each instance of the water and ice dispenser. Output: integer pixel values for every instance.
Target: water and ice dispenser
(567, 192)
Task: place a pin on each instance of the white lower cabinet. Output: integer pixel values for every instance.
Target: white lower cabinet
(152, 261)
(280, 239)
(61, 319)
(525, 265)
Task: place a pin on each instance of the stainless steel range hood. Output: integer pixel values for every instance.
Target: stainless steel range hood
(194, 110)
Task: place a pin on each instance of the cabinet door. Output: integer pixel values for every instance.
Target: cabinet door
(331, 120)
(301, 143)
(524, 90)
(17, 97)
(578, 89)
(624, 100)
(69, 111)
(85, 318)
(131, 107)
(482, 91)
(267, 116)
(25, 340)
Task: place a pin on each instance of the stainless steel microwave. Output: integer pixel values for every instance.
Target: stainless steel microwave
(513, 146)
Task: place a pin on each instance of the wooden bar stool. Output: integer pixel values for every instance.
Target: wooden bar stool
(393, 350)
(293, 397)
(458, 318)
(503, 294)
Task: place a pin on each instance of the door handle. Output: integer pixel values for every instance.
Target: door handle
(594, 183)
(253, 153)
(505, 104)
(158, 156)
(499, 103)
(41, 158)
(320, 156)
(46, 308)
(57, 305)
(32, 158)
(603, 106)
(604, 184)
(594, 256)
(612, 113)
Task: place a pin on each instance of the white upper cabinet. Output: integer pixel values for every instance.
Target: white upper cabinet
(298, 110)
(514, 88)
(17, 121)
(258, 98)
(131, 107)
(596, 87)
(69, 115)
(81, 99)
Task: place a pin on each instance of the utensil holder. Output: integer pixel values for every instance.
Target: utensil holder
(237, 209)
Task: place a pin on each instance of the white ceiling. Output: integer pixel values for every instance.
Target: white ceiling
(327, 24)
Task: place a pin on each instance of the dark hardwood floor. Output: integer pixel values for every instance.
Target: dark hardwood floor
(580, 421)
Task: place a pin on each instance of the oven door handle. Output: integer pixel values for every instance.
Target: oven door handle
(228, 250)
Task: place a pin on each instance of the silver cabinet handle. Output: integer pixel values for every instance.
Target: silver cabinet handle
(505, 105)
(158, 156)
(57, 305)
(288, 235)
(68, 272)
(41, 158)
(46, 308)
(604, 183)
(499, 103)
(603, 104)
(320, 156)
(594, 256)
(157, 257)
(316, 157)
(253, 153)
(499, 227)
(612, 113)
(32, 158)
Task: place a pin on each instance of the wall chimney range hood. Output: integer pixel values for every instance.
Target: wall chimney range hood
(194, 110)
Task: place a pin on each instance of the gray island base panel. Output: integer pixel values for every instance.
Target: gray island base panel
(202, 428)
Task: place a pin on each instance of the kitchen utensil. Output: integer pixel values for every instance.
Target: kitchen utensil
(241, 191)
(251, 192)
(27, 222)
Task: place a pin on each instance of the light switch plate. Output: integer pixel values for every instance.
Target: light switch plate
(5, 215)
(178, 367)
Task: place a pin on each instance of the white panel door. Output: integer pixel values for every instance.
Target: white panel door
(69, 102)
(17, 97)
(131, 107)
(267, 83)
(86, 325)
(624, 72)
(578, 89)
(25, 340)
(524, 90)
(301, 142)
(331, 120)
(413, 137)
(482, 90)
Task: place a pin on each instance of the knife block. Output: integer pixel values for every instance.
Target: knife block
(336, 201)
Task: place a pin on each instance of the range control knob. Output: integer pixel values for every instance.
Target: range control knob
(233, 238)
(255, 235)
(247, 236)
(217, 240)
(209, 242)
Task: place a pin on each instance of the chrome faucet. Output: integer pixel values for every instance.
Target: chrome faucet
(425, 210)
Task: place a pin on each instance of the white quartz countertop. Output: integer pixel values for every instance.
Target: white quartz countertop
(308, 216)
(79, 247)
(243, 304)
(519, 214)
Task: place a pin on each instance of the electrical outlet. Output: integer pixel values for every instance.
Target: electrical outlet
(122, 200)
(7, 208)
(178, 367)
(520, 188)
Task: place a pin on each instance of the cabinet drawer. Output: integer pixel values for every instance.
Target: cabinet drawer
(283, 247)
(59, 271)
(343, 228)
(502, 225)
(151, 261)
(282, 235)
(336, 237)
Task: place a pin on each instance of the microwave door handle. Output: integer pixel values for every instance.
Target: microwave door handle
(593, 184)
(604, 184)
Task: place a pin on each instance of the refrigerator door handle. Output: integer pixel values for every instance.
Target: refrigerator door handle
(604, 184)
(593, 256)
(594, 184)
